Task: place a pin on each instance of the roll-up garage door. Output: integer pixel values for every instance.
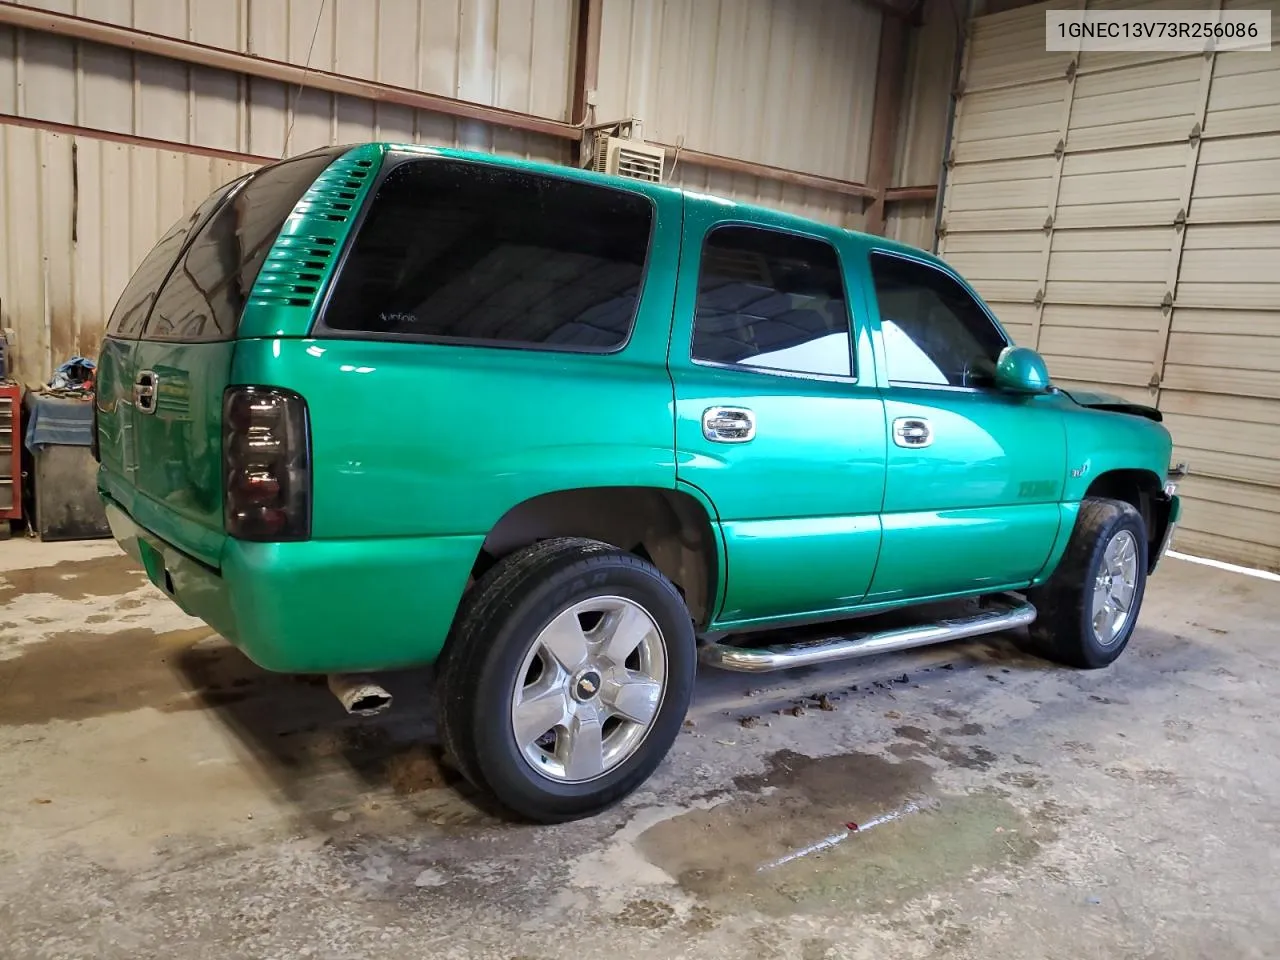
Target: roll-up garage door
(1121, 212)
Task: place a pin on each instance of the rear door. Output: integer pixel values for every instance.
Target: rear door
(182, 363)
(975, 475)
(778, 421)
(116, 360)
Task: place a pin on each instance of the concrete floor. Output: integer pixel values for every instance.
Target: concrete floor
(162, 797)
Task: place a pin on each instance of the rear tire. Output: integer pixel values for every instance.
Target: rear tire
(566, 678)
(1088, 609)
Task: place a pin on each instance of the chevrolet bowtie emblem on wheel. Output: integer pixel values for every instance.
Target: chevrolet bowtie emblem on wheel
(588, 686)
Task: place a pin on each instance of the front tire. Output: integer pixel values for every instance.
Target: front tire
(566, 678)
(1088, 609)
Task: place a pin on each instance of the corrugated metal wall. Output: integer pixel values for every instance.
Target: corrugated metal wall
(805, 202)
(517, 55)
(789, 83)
(71, 242)
(1125, 221)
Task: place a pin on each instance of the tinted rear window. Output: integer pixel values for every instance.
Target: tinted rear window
(772, 301)
(206, 293)
(465, 252)
(131, 309)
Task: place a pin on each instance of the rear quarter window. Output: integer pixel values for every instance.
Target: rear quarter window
(453, 251)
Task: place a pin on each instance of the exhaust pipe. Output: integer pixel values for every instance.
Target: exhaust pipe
(359, 695)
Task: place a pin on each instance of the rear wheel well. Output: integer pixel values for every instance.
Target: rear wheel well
(668, 528)
(1141, 488)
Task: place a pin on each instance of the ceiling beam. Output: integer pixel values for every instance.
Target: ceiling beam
(910, 194)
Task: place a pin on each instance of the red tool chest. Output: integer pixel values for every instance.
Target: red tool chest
(10, 450)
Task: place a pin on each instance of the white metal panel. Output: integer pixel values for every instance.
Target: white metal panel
(1000, 265)
(310, 28)
(1231, 265)
(926, 99)
(911, 222)
(1245, 98)
(1009, 122)
(784, 82)
(1106, 346)
(526, 44)
(1121, 188)
(820, 205)
(1018, 320)
(48, 77)
(68, 252)
(1136, 105)
(1238, 179)
(8, 70)
(998, 195)
(185, 104)
(1007, 49)
(1094, 60)
(1108, 267)
(22, 306)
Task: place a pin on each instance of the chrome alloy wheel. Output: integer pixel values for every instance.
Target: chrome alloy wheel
(1114, 588)
(589, 689)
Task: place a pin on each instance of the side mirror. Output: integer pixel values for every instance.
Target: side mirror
(1021, 370)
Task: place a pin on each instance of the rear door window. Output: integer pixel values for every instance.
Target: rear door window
(206, 293)
(131, 309)
(460, 252)
(769, 300)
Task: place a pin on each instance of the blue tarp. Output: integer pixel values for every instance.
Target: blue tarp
(59, 420)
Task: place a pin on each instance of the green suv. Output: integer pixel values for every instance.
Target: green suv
(565, 435)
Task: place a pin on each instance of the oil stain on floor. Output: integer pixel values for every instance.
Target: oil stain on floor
(75, 675)
(74, 579)
(923, 839)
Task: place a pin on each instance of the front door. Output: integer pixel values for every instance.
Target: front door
(975, 475)
(778, 420)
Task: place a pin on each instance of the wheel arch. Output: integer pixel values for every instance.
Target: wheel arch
(1144, 490)
(671, 528)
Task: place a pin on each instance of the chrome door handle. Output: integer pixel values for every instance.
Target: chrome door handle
(912, 432)
(728, 424)
(144, 391)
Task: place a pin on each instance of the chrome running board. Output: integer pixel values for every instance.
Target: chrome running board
(1012, 612)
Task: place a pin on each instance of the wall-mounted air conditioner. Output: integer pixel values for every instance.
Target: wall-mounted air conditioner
(618, 148)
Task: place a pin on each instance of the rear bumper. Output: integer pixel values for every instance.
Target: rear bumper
(318, 606)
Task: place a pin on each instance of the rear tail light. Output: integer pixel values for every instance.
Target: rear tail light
(266, 464)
